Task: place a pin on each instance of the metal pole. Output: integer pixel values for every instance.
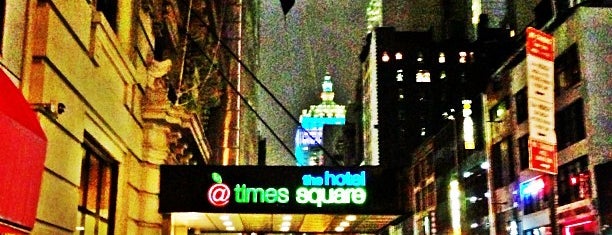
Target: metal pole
(553, 205)
(488, 138)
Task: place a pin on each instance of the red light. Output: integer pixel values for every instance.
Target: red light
(573, 180)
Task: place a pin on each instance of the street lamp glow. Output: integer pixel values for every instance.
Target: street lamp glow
(455, 206)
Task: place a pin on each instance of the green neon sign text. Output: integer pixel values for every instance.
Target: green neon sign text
(243, 194)
(320, 196)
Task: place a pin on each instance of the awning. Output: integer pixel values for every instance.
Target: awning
(23, 147)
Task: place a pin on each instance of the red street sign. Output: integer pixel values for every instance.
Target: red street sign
(542, 157)
(540, 44)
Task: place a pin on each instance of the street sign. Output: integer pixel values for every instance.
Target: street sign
(541, 121)
(541, 101)
(543, 157)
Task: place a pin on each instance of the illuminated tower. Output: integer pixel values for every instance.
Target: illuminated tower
(309, 137)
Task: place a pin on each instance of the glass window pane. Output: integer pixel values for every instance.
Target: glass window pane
(105, 191)
(90, 225)
(102, 228)
(92, 186)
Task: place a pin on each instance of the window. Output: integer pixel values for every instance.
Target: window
(430, 196)
(535, 194)
(567, 69)
(97, 192)
(574, 181)
(499, 111)
(109, 10)
(569, 125)
(503, 163)
(521, 105)
(400, 76)
(423, 76)
(524, 151)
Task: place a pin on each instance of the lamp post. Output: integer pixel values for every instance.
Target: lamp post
(488, 139)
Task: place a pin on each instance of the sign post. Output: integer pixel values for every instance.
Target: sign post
(541, 110)
(541, 101)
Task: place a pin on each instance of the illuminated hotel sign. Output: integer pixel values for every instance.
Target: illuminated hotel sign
(279, 189)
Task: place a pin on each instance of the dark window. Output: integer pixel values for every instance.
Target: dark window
(503, 163)
(567, 69)
(420, 202)
(97, 192)
(521, 105)
(430, 196)
(524, 151)
(109, 10)
(574, 181)
(569, 125)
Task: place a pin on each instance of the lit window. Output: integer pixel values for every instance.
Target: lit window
(498, 112)
(398, 56)
(442, 58)
(443, 74)
(400, 75)
(535, 194)
(385, 57)
(423, 76)
(97, 192)
(420, 58)
(462, 57)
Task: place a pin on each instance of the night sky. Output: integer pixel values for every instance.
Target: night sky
(295, 52)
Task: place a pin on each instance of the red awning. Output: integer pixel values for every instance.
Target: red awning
(23, 146)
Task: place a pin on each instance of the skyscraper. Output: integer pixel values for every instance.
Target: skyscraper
(309, 136)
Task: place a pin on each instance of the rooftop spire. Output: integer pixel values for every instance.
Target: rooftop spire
(328, 91)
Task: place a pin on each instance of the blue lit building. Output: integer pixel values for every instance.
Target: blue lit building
(309, 135)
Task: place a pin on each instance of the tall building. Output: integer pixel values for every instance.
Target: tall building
(309, 140)
(423, 109)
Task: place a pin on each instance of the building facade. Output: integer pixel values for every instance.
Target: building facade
(118, 92)
(572, 201)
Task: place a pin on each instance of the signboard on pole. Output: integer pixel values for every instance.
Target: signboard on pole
(542, 157)
(541, 101)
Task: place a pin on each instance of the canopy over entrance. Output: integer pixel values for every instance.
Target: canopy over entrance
(282, 198)
(23, 147)
(279, 223)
